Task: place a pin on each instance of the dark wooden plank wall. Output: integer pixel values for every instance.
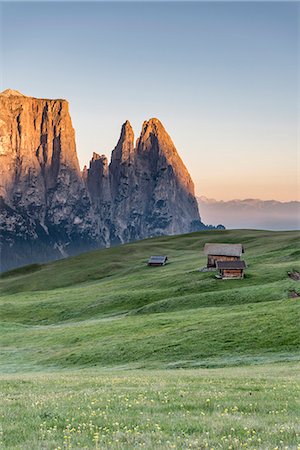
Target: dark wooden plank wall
(211, 259)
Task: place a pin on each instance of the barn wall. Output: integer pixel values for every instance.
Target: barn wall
(211, 260)
(232, 273)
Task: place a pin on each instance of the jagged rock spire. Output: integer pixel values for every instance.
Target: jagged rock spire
(151, 190)
(123, 152)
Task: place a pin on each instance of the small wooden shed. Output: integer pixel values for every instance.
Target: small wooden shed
(231, 269)
(157, 260)
(222, 252)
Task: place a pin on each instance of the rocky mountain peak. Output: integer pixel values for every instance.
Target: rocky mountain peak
(97, 157)
(152, 125)
(127, 126)
(154, 136)
(157, 151)
(11, 92)
(123, 152)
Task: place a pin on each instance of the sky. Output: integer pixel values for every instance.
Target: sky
(223, 77)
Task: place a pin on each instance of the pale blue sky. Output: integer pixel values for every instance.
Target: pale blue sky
(222, 77)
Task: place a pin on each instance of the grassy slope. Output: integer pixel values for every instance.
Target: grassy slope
(107, 308)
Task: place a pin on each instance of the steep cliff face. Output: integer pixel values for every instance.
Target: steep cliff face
(123, 185)
(166, 189)
(40, 178)
(49, 209)
(97, 182)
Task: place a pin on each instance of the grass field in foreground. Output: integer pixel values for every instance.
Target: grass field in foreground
(88, 344)
(244, 407)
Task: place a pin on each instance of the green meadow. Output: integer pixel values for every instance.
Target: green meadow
(102, 351)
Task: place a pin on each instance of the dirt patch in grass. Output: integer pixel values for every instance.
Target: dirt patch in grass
(294, 275)
(293, 294)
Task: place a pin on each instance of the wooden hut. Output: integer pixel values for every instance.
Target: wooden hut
(157, 260)
(222, 252)
(231, 269)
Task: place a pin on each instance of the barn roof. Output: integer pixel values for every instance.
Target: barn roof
(231, 265)
(224, 249)
(157, 259)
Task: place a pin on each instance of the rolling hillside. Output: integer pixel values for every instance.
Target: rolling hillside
(86, 341)
(108, 309)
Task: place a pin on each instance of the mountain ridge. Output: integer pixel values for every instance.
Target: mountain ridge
(252, 213)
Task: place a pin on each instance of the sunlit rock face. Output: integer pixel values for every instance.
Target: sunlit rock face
(40, 181)
(49, 209)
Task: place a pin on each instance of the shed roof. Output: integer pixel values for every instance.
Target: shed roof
(224, 249)
(157, 259)
(231, 265)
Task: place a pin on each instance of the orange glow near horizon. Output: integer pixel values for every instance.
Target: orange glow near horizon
(229, 190)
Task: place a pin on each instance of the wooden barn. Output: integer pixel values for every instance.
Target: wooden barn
(222, 252)
(157, 260)
(231, 269)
